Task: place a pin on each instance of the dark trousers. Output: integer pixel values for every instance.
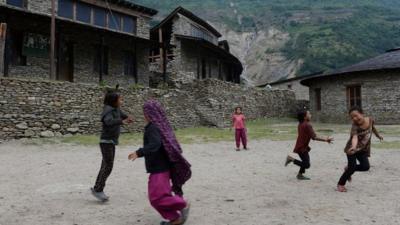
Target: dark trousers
(108, 153)
(304, 163)
(240, 134)
(352, 166)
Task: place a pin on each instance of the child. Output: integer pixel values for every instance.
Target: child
(112, 118)
(164, 162)
(238, 123)
(305, 134)
(358, 146)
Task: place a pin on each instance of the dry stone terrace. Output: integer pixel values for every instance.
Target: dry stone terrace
(46, 109)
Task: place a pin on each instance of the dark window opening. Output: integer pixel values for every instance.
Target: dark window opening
(209, 69)
(101, 60)
(129, 24)
(289, 86)
(18, 3)
(354, 96)
(66, 8)
(130, 66)
(114, 21)
(100, 17)
(16, 43)
(203, 69)
(318, 99)
(83, 12)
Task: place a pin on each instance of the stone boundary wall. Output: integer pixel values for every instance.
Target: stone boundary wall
(30, 109)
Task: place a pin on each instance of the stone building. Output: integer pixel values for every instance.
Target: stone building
(96, 40)
(372, 84)
(191, 50)
(293, 84)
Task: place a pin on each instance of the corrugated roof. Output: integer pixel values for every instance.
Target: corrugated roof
(387, 61)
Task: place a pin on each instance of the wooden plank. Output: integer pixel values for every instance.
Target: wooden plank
(3, 35)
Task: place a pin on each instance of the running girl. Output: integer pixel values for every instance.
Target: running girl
(358, 146)
(302, 148)
(165, 163)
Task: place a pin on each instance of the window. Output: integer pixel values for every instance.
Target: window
(66, 8)
(83, 12)
(354, 96)
(99, 17)
(18, 3)
(129, 24)
(289, 86)
(114, 21)
(130, 67)
(318, 99)
(101, 60)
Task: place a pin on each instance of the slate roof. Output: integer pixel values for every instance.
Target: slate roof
(390, 60)
(191, 16)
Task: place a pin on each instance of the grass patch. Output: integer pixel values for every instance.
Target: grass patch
(269, 129)
(272, 129)
(387, 145)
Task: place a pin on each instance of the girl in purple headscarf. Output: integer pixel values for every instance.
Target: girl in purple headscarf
(164, 163)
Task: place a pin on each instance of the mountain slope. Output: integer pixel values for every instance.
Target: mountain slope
(276, 39)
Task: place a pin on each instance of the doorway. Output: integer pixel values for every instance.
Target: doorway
(65, 61)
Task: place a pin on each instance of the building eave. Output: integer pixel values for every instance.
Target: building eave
(190, 15)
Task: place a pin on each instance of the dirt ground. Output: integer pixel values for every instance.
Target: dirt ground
(49, 184)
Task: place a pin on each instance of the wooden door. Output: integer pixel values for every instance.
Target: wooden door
(66, 61)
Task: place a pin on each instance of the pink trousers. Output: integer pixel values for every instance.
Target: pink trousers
(161, 197)
(240, 134)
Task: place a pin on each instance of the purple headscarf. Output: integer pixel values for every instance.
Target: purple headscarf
(180, 167)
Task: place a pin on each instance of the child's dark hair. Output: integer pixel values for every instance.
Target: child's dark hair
(301, 114)
(238, 107)
(356, 108)
(111, 97)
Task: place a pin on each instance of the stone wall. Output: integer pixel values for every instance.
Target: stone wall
(380, 95)
(45, 109)
(302, 92)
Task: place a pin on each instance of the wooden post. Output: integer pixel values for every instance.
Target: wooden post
(163, 54)
(52, 40)
(3, 36)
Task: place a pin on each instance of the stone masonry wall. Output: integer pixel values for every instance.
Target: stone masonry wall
(301, 91)
(380, 95)
(31, 109)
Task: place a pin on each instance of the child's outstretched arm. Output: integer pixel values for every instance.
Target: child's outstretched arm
(315, 137)
(375, 131)
(324, 139)
(126, 119)
(154, 144)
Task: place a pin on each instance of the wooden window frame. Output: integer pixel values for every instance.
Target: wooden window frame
(318, 99)
(24, 4)
(354, 95)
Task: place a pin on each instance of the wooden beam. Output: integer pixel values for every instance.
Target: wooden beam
(52, 40)
(3, 35)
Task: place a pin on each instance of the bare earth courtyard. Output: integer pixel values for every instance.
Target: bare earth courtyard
(49, 184)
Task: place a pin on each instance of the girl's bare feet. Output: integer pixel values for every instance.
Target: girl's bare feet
(341, 188)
